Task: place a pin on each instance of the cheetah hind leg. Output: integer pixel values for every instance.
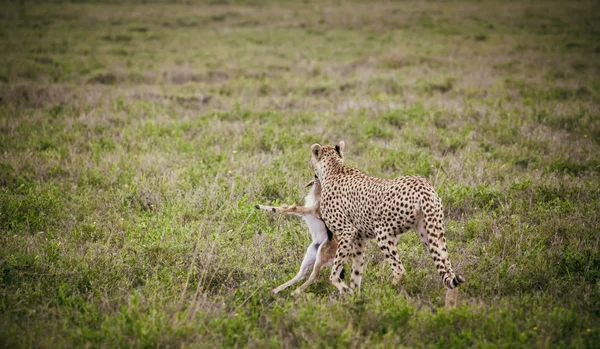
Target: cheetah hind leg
(432, 235)
(387, 245)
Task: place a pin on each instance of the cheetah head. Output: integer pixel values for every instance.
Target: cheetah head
(324, 158)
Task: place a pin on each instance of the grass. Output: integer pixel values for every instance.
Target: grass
(137, 138)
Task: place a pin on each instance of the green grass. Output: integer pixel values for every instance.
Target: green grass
(137, 138)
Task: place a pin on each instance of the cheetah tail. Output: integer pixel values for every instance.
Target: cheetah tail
(458, 279)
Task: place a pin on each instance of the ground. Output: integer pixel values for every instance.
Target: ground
(137, 138)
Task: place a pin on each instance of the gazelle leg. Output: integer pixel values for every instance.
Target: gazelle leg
(325, 256)
(307, 262)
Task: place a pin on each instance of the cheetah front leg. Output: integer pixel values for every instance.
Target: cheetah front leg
(341, 256)
(359, 261)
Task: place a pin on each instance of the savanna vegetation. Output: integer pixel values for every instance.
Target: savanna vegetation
(136, 138)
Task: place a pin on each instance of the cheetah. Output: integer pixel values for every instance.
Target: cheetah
(321, 251)
(357, 207)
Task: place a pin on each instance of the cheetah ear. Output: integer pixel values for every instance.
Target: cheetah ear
(316, 150)
(340, 149)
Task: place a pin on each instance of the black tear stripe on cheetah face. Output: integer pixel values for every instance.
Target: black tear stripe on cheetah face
(357, 207)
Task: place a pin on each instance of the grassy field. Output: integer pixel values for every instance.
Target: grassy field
(136, 139)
